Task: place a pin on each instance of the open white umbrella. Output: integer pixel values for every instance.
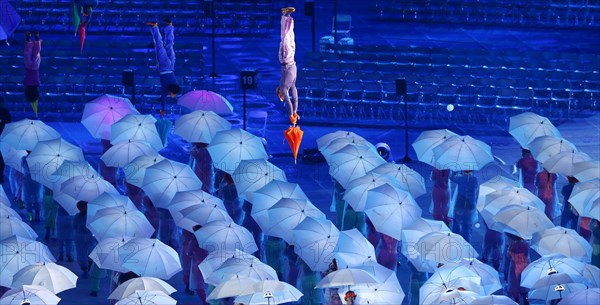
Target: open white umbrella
(346, 277)
(588, 296)
(229, 147)
(408, 179)
(136, 169)
(591, 273)
(119, 222)
(269, 292)
(448, 280)
(500, 199)
(165, 178)
(353, 249)
(544, 147)
(353, 162)
(245, 267)
(490, 280)
(271, 193)
(11, 226)
(548, 264)
(18, 252)
(386, 291)
(123, 153)
(391, 209)
(47, 156)
(527, 126)
(35, 295)
(410, 238)
(51, 276)
(563, 163)
(189, 199)
(216, 259)
(6, 211)
(147, 297)
(25, 134)
(86, 188)
(136, 127)
(585, 170)
(559, 279)
(231, 288)
(280, 219)
(141, 283)
(427, 141)
(315, 241)
(225, 235)
(150, 257)
(564, 241)
(251, 175)
(444, 247)
(357, 190)
(323, 141)
(493, 300)
(106, 253)
(585, 198)
(202, 214)
(200, 126)
(462, 153)
(494, 184)
(70, 169)
(108, 200)
(337, 144)
(523, 221)
(207, 101)
(554, 292)
(102, 112)
(12, 157)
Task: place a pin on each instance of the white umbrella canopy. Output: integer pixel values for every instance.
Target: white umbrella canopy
(108, 200)
(559, 279)
(251, 175)
(51, 276)
(585, 170)
(36, 295)
(357, 190)
(591, 273)
(47, 156)
(278, 292)
(207, 101)
(391, 209)
(271, 193)
(523, 221)
(346, 277)
(216, 259)
(427, 141)
(500, 199)
(315, 241)
(147, 297)
(353, 162)
(17, 253)
(123, 153)
(231, 288)
(136, 127)
(408, 178)
(455, 297)
(493, 300)
(585, 198)
(225, 235)
(11, 226)
(448, 280)
(135, 171)
(6, 212)
(442, 247)
(462, 153)
(101, 113)
(554, 292)
(589, 296)
(285, 215)
(229, 147)
(527, 126)
(490, 280)
(246, 267)
(12, 157)
(563, 163)
(189, 199)
(337, 144)
(544, 147)
(150, 257)
(106, 253)
(386, 291)
(494, 184)
(410, 238)
(323, 141)
(67, 170)
(141, 283)
(25, 134)
(353, 249)
(200, 126)
(548, 264)
(165, 178)
(202, 214)
(86, 188)
(119, 222)
(563, 241)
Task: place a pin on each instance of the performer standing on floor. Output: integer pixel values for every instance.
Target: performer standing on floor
(287, 50)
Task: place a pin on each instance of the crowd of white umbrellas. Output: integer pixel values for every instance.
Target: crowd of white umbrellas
(384, 191)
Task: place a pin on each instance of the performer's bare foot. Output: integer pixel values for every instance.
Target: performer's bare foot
(168, 21)
(279, 95)
(152, 23)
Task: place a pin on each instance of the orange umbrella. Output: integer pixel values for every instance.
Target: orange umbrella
(294, 137)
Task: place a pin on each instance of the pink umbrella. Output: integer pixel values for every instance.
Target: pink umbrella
(207, 101)
(101, 113)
